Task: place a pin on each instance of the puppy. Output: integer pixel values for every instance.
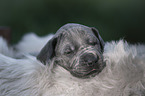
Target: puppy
(76, 48)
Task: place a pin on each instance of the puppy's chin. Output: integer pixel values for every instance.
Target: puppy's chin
(84, 74)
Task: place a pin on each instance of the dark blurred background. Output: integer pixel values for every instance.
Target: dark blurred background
(115, 19)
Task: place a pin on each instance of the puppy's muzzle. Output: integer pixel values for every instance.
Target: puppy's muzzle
(90, 63)
(88, 59)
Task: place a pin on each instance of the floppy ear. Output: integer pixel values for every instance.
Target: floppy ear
(48, 51)
(96, 32)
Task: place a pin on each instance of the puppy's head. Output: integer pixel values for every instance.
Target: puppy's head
(77, 48)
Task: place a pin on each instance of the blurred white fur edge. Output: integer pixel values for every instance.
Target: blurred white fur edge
(4, 49)
(29, 44)
(124, 74)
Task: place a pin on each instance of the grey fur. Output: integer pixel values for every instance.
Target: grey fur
(77, 48)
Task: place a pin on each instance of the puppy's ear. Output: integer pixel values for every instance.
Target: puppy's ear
(96, 32)
(48, 51)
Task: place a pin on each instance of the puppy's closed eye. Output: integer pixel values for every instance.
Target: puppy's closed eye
(69, 49)
(92, 41)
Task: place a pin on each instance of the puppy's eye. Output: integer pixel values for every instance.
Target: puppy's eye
(92, 41)
(68, 50)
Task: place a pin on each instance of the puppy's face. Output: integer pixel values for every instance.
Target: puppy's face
(76, 48)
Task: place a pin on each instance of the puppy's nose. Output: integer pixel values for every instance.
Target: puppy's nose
(89, 59)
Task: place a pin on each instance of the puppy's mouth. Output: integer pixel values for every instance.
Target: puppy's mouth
(87, 72)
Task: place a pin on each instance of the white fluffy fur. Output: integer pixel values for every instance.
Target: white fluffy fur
(4, 49)
(124, 75)
(31, 43)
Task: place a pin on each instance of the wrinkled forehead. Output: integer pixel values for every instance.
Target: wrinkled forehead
(76, 32)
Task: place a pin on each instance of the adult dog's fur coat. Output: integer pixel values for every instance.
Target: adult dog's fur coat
(124, 75)
(29, 44)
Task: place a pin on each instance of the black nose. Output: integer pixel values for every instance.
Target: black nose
(89, 59)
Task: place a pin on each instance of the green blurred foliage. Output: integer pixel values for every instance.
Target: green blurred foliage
(115, 19)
